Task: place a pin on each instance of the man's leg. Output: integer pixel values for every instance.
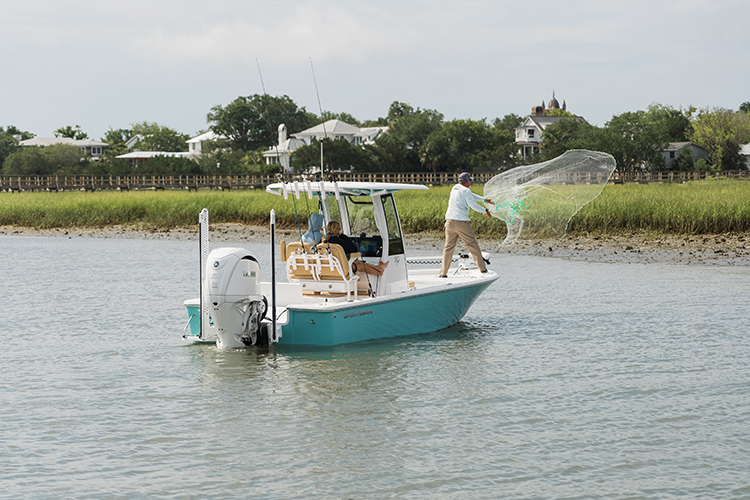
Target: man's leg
(451, 238)
(466, 233)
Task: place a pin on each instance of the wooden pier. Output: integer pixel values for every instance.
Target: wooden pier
(16, 183)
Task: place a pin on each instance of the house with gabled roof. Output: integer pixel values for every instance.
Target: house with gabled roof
(196, 144)
(529, 133)
(90, 149)
(673, 148)
(140, 157)
(331, 129)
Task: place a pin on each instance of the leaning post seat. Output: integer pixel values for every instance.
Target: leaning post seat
(320, 270)
(337, 251)
(300, 261)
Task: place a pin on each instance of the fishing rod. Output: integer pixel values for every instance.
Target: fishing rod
(332, 175)
(276, 149)
(320, 108)
(325, 136)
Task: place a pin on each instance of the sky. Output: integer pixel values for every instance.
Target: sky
(107, 64)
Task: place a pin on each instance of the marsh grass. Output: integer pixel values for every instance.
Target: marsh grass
(699, 207)
(140, 209)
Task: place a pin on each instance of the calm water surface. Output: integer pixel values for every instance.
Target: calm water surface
(566, 380)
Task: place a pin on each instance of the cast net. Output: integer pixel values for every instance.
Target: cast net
(537, 201)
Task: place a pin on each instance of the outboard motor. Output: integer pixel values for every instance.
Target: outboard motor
(234, 299)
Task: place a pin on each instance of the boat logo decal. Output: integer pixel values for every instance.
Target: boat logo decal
(358, 313)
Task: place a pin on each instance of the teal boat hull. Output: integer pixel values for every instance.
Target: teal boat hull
(390, 316)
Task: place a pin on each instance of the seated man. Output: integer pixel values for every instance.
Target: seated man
(313, 234)
(335, 236)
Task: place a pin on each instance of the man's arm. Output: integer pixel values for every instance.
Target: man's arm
(476, 206)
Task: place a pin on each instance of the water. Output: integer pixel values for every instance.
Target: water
(566, 380)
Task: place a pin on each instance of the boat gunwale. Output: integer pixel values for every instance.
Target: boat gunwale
(471, 281)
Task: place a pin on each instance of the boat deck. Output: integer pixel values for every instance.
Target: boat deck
(420, 281)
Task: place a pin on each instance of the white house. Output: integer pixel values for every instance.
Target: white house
(195, 148)
(282, 152)
(195, 145)
(670, 154)
(140, 157)
(529, 133)
(332, 129)
(133, 141)
(745, 153)
(91, 149)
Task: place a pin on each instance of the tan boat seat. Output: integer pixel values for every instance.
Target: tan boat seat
(328, 270)
(299, 264)
(325, 265)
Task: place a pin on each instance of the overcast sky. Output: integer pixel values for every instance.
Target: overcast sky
(111, 63)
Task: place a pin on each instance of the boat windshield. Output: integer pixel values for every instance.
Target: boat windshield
(333, 208)
(395, 241)
(361, 216)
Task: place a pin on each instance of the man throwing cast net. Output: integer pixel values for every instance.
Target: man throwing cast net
(458, 224)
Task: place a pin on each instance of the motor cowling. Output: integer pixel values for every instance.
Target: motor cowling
(233, 292)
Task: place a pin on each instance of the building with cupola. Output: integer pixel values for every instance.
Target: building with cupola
(529, 133)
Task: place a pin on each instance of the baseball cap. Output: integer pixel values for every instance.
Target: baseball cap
(465, 177)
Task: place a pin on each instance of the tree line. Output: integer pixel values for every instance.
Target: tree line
(416, 140)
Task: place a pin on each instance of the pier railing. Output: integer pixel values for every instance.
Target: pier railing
(9, 183)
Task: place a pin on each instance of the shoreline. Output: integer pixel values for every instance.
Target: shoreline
(723, 249)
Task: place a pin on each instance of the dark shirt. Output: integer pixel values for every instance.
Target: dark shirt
(346, 243)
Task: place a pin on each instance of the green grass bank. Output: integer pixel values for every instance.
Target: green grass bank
(699, 207)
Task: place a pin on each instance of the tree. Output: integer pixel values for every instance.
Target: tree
(380, 122)
(393, 155)
(26, 161)
(469, 145)
(71, 133)
(9, 141)
(116, 138)
(508, 122)
(557, 112)
(159, 138)
(563, 135)
(745, 107)
(635, 141)
(399, 110)
(8, 144)
(683, 162)
(252, 122)
(400, 148)
(674, 124)
(33, 160)
(722, 132)
(13, 130)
